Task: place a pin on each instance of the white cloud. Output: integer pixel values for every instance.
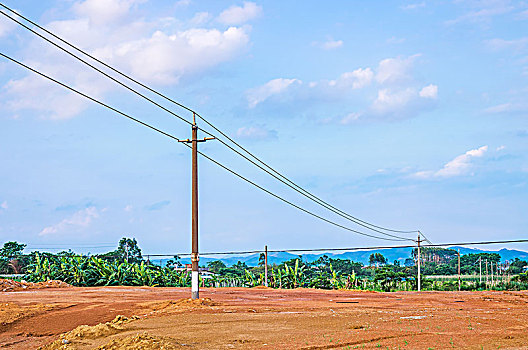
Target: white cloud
(236, 15)
(483, 11)
(350, 118)
(458, 166)
(182, 3)
(200, 18)
(271, 88)
(398, 96)
(508, 107)
(128, 208)
(81, 219)
(395, 70)
(164, 59)
(389, 101)
(104, 11)
(6, 25)
(500, 148)
(255, 132)
(355, 79)
(523, 15)
(114, 32)
(29, 92)
(501, 44)
(430, 91)
(329, 44)
(4, 206)
(395, 40)
(414, 6)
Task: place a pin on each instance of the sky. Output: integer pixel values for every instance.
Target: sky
(411, 115)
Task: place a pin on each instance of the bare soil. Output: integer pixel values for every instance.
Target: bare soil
(259, 318)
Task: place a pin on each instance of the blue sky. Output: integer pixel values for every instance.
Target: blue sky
(407, 114)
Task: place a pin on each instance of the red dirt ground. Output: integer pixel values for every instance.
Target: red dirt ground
(258, 318)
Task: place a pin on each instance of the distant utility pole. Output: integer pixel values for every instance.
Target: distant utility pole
(491, 269)
(419, 272)
(486, 273)
(266, 265)
(458, 270)
(480, 269)
(195, 287)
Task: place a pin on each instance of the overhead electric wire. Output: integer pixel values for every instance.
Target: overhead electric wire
(426, 239)
(204, 155)
(343, 249)
(97, 69)
(274, 173)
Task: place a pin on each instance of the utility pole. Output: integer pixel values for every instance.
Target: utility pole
(459, 270)
(491, 269)
(419, 272)
(480, 269)
(195, 286)
(266, 265)
(126, 251)
(486, 273)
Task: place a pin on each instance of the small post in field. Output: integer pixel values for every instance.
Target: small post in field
(491, 269)
(480, 269)
(486, 273)
(419, 272)
(459, 270)
(266, 265)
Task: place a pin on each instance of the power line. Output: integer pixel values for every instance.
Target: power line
(274, 173)
(344, 249)
(426, 239)
(73, 247)
(92, 66)
(90, 98)
(204, 155)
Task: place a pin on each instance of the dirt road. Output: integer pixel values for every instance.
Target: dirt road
(237, 318)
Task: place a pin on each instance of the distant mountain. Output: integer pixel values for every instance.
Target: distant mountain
(392, 254)
(506, 254)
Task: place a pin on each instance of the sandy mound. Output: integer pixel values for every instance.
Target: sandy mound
(67, 340)
(142, 341)
(262, 287)
(180, 304)
(13, 286)
(194, 302)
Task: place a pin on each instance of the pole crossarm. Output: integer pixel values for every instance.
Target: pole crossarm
(202, 140)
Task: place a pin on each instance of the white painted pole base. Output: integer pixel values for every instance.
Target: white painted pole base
(195, 285)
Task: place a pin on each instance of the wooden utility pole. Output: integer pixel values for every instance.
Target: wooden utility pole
(266, 265)
(419, 272)
(195, 284)
(459, 270)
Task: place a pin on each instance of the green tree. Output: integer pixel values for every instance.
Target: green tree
(11, 258)
(216, 266)
(377, 259)
(174, 262)
(517, 266)
(127, 250)
(241, 266)
(12, 250)
(262, 259)
(388, 277)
